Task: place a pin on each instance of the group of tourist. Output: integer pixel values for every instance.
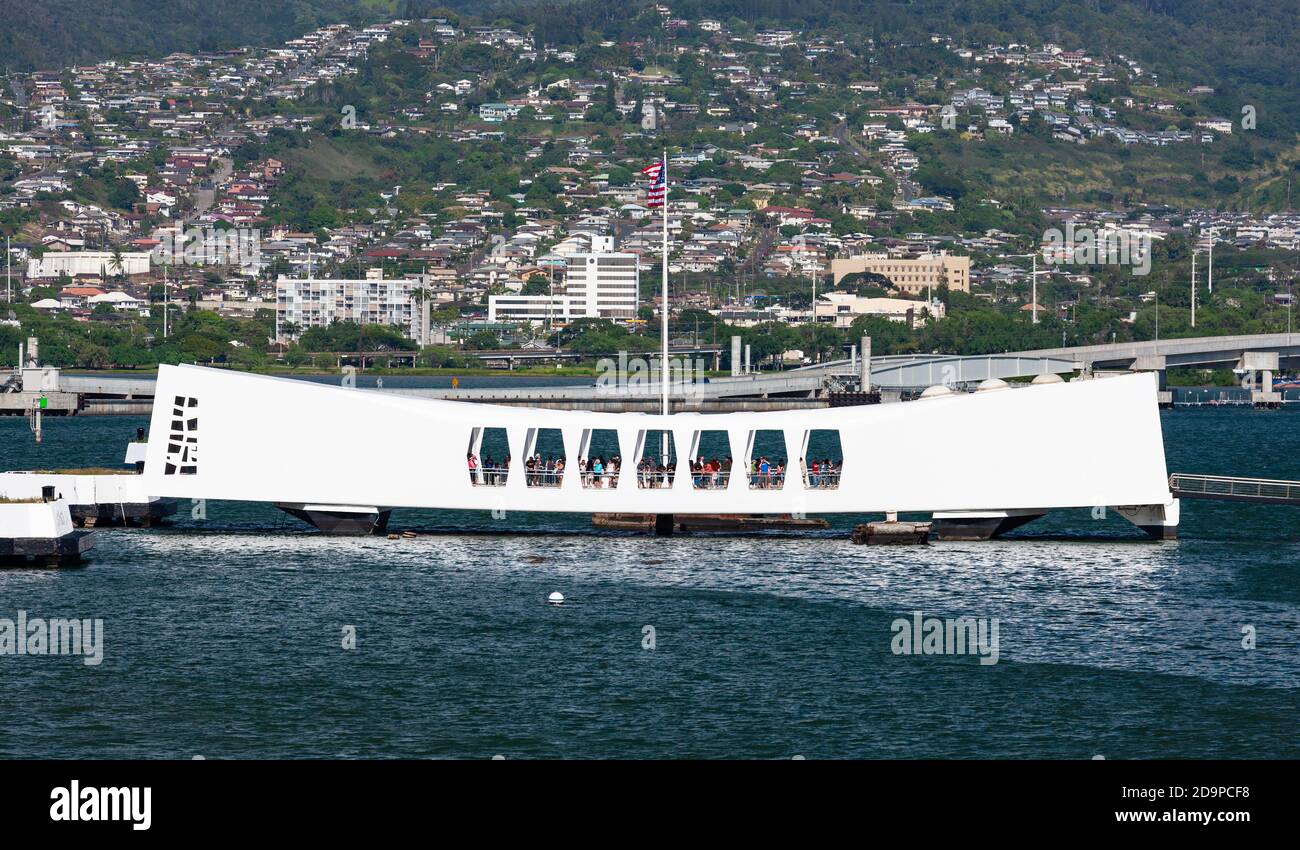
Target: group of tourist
(544, 473)
(488, 473)
(710, 474)
(652, 475)
(598, 472)
(764, 474)
(823, 474)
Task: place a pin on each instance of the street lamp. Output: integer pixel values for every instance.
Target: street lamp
(1033, 279)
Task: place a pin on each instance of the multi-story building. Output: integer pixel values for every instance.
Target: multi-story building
(598, 284)
(911, 275)
(304, 303)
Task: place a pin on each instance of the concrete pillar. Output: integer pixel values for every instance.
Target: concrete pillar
(864, 365)
(1263, 363)
(735, 356)
(748, 367)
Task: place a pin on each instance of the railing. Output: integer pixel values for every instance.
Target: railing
(605, 479)
(545, 477)
(489, 476)
(822, 479)
(713, 479)
(773, 479)
(1240, 489)
(655, 478)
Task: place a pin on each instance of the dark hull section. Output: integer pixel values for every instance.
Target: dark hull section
(342, 523)
(979, 528)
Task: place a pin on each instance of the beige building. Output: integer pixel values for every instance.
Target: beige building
(913, 276)
(841, 308)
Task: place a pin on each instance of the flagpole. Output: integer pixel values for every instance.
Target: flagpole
(663, 330)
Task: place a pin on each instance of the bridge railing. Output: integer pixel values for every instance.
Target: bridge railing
(1239, 488)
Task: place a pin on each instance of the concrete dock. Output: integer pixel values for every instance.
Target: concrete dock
(39, 531)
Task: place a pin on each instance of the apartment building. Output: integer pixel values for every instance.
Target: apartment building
(303, 303)
(913, 275)
(600, 283)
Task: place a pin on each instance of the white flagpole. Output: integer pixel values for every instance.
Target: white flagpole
(663, 332)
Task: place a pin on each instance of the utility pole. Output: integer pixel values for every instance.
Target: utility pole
(165, 300)
(9, 291)
(1211, 273)
(1033, 296)
(1193, 287)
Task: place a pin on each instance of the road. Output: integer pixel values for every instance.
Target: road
(205, 198)
(907, 189)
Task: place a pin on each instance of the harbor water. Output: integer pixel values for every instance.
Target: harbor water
(224, 634)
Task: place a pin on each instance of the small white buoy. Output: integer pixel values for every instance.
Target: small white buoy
(556, 598)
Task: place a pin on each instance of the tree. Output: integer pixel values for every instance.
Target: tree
(483, 341)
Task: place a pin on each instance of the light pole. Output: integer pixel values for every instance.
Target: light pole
(1193, 288)
(1033, 283)
(1211, 271)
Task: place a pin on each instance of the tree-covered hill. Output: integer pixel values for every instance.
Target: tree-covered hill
(48, 34)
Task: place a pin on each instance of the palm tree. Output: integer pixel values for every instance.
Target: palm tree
(421, 295)
(115, 261)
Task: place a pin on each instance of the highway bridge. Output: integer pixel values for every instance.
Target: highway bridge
(812, 385)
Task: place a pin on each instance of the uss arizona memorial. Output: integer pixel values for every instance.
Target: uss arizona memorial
(336, 456)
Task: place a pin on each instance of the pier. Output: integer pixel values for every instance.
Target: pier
(1262, 491)
(39, 530)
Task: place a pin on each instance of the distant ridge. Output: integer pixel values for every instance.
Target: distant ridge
(49, 34)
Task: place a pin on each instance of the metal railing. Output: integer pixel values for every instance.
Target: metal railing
(822, 479)
(773, 479)
(655, 478)
(606, 479)
(546, 477)
(489, 476)
(1239, 489)
(713, 479)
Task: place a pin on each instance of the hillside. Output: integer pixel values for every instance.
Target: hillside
(50, 34)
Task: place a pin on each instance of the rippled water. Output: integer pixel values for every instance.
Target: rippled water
(223, 637)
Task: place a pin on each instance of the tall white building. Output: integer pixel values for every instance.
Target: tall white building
(313, 302)
(599, 284)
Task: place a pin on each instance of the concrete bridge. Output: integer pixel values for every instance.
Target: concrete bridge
(1259, 354)
(1268, 352)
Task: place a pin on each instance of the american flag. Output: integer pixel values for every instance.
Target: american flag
(658, 175)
